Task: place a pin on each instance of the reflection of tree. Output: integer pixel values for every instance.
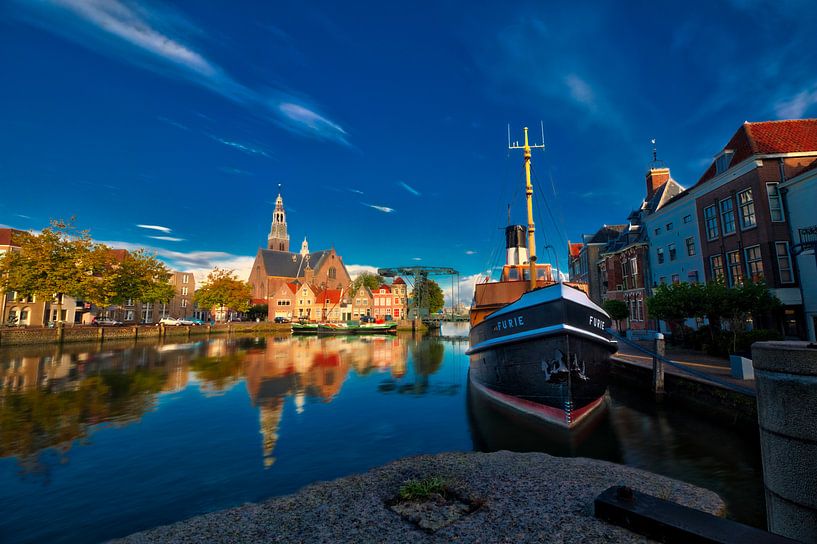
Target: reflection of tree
(428, 356)
(219, 372)
(35, 419)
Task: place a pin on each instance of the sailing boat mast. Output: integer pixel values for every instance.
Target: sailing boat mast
(529, 198)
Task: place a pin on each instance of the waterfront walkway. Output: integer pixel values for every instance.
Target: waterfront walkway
(701, 365)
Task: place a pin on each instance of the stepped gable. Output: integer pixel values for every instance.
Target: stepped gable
(768, 137)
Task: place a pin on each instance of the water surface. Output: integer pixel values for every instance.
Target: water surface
(97, 443)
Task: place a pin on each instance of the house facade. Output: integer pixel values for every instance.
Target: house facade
(390, 301)
(584, 259)
(675, 243)
(799, 196)
(624, 262)
(741, 218)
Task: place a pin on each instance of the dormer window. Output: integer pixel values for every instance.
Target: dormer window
(723, 161)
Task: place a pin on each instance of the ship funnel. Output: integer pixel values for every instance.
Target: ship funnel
(517, 249)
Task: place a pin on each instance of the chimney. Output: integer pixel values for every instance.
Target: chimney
(656, 177)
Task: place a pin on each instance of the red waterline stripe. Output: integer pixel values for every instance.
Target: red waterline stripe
(554, 415)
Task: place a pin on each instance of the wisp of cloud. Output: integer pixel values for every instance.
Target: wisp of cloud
(409, 188)
(155, 227)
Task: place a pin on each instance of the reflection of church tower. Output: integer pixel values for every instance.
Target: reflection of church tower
(270, 419)
(278, 239)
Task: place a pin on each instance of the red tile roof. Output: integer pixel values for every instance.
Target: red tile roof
(118, 254)
(769, 137)
(331, 296)
(575, 248)
(398, 281)
(383, 286)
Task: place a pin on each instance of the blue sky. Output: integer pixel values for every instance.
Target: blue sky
(385, 123)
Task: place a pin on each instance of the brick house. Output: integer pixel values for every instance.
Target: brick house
(391, 300)
(741, 218)
(584, 256)
(624, 261)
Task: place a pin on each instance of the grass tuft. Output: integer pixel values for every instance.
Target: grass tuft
(418, 490)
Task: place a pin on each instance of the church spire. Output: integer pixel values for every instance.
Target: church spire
(304, 247)
(278, 239)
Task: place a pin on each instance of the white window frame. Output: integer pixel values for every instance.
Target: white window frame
(690, 243)
(713, 219)
(724, 213)
(758, 259)
(777, 255)
(747, 209)
(775, 198)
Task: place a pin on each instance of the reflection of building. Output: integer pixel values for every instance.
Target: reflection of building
(310, 367)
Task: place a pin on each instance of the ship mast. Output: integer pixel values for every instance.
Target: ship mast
(526, 148)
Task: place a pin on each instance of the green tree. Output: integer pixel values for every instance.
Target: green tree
(367, 279)
(677, 302)
(49, 265)
(617, 310)
(428, 295)
(258, 311)
(224, 290)
(140, 276)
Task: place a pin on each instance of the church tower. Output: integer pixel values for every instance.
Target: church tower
(278, 239)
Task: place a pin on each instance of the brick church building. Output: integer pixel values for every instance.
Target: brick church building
(303, 285)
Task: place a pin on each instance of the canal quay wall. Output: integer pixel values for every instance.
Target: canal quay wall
(486, 497)
(708, 399)
(64, 335)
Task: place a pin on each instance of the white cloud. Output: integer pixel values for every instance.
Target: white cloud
(356, 191)
(155, 227)
(580, 91)
(416, 258)
(246, 148)
(357, 269)
(409, 188)
(114, 28)
(796, 106)
(167, 238)
(470, 252)
(303, 120)
(384, 209)
(199, 263)
(463, 291)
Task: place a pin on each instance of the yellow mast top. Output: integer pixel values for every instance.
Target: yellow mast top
(526, 148)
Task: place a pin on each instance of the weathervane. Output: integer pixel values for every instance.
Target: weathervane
(655, 162)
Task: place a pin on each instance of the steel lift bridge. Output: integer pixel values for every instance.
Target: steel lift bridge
(417, 276)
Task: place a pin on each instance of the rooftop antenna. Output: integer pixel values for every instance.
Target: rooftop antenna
(655, 162)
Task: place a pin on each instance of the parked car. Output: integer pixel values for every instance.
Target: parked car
(281, 320)
(192, 321)
(106, 322)
(367, 319)
(170, 321)
(236, 319)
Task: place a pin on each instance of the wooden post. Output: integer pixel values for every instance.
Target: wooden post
(136, 332)
(100, 334)
(659, 349)
(161, 330)
(60, 332)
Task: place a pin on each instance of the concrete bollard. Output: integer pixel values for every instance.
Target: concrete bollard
(659, 348)
(786, 377)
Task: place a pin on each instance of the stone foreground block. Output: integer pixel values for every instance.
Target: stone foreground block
(514, 497)
(786, 374)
